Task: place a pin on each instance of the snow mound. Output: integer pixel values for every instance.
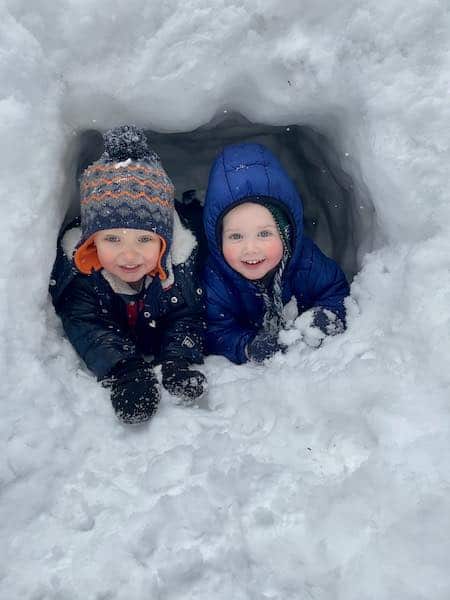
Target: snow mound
(324, 474)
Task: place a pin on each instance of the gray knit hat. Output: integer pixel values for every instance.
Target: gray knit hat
(126, 188)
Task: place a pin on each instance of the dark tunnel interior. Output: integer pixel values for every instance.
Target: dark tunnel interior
(338, 213)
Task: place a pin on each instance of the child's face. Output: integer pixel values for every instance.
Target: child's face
(130, 254)
(251, 243)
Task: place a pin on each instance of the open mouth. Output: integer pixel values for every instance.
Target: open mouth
(254, 262)
(129, 268)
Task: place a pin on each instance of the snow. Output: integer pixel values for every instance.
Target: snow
(322, 475)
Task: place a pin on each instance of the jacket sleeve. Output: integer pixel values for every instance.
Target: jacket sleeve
(91, 328)
(225, 335)
(184, 326)
(327, 286)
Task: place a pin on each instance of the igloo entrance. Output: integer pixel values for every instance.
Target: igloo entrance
(338, 213)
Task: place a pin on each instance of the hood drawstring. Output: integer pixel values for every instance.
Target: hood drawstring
(273, 320)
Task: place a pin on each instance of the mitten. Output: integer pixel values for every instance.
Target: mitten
(134, 391)
(182, 382)
(315, 324)
(328, 321)
(263, 345)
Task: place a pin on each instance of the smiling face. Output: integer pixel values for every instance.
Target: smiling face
(251, 243)
(129, 254)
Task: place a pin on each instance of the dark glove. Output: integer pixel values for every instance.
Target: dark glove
(134, 391)
(181, 381)
(316, 324)
(327, 321)
(263, 345)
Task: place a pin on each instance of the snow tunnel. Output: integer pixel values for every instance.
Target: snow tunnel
(338, 212)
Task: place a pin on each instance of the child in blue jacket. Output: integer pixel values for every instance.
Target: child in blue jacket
(124, 282)
(259, 259)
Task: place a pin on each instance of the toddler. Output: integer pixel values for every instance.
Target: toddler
(124, 280)
(259, 260)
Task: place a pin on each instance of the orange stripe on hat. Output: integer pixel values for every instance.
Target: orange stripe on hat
(89, 185)
(86, 259)
(100, 197)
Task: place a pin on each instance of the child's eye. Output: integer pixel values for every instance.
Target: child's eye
(235, 236)
(143, 239)
(265, 233)
(112, 238)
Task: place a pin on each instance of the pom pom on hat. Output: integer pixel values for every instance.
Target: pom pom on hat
(126, 142)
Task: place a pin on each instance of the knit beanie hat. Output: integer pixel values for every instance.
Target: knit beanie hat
(126, 188)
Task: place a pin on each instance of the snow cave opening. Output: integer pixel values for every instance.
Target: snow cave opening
(338, 212)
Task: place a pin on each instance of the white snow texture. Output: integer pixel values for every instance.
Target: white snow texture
(322, 475)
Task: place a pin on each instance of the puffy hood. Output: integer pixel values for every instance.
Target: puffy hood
(240, 173)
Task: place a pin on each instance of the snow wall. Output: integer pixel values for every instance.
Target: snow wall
(323, 475)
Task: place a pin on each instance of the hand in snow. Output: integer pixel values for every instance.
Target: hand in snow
(263, 345)
(315, 324)
(134, 391)
(182, 382)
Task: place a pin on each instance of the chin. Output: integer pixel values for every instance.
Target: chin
(253, 275)
(130, 277)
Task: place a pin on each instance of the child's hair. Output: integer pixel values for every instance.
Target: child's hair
(126, 188)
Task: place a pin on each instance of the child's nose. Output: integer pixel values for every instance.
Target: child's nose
(251, 244)
(130, 252)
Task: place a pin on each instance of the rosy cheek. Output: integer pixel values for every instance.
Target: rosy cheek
(277, 250)
(229, 255)
(226, 252)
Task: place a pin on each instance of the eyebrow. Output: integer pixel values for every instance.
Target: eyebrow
(258, 227)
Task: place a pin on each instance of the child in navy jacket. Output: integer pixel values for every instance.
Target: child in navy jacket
(259, 259)
(124, 283)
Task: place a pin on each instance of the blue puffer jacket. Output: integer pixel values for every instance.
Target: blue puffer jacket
(235, 307)
(167, 321)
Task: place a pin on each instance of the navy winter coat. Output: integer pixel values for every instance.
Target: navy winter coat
(235, 307)
(105, 328)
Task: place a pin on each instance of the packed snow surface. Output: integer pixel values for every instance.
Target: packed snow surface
(323, 475)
